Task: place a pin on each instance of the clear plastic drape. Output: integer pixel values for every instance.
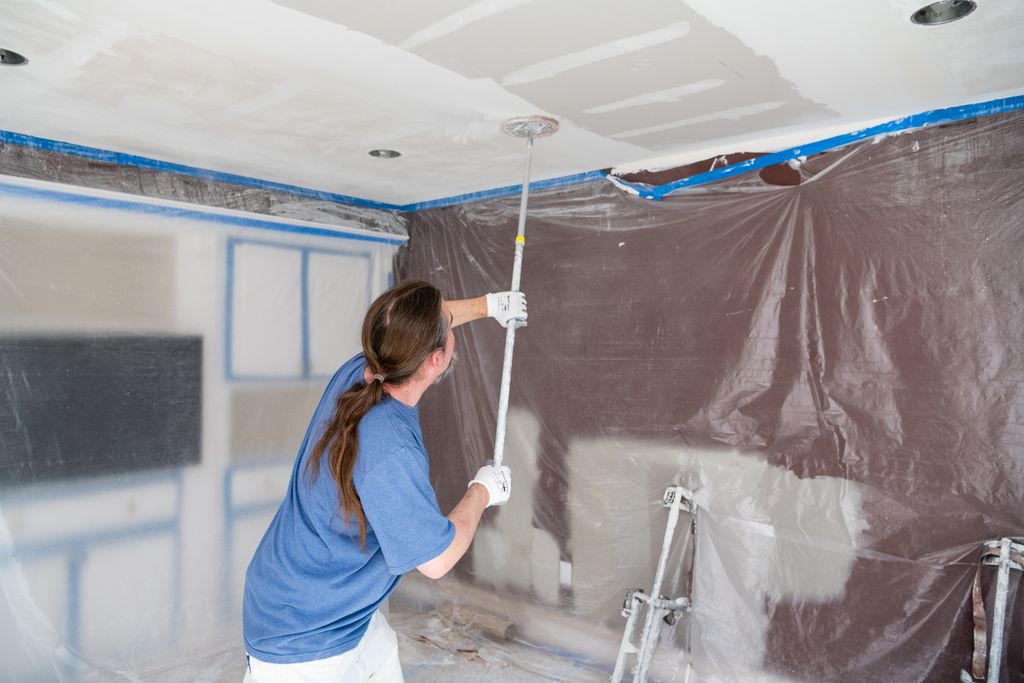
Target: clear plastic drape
(835, 369)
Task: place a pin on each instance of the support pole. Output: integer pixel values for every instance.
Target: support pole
(649, 637)
(995, 653)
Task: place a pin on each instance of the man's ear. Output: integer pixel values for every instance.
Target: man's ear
(436, 358)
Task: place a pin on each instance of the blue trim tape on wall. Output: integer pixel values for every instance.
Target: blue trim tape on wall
(230, 374)
(928, 118)
(193, 171)
(194, 214)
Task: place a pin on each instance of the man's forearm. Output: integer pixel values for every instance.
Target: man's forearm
(466, 310)
(466, 517)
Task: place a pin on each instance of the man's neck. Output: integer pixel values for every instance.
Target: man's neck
(409, 393)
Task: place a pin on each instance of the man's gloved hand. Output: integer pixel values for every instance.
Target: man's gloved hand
(497, 481)
(506, 306)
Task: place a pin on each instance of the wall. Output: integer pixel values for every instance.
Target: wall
(141, 570)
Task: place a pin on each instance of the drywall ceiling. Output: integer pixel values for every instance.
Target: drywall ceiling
(298, 91)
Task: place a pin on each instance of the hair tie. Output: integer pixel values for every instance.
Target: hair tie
(379, 378)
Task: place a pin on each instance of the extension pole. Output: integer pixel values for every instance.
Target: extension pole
(510, 332)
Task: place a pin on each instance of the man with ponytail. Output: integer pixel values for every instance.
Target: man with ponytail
(359, 511)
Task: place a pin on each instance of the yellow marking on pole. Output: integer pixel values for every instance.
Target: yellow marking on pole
(520, 239)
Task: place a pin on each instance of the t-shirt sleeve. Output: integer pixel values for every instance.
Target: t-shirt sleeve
(401, 508)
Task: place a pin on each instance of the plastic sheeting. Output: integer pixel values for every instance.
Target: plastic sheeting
(835, 368)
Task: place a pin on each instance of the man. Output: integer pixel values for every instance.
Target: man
(360, 511)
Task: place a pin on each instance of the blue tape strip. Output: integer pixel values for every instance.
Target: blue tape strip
(73, 618)
(63, 545)
(505, 191)
(196, 172)
(179, 604)
(304, 297)
(227, 563)
(928, 118)
(175, 212)
(306, 343)
(229, 309)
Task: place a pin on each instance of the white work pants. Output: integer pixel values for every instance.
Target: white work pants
(374, 659)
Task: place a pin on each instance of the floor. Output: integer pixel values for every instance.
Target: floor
(432, 648)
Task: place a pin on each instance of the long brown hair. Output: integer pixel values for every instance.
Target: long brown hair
(402, 328)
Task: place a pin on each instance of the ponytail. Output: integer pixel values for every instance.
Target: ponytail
(402, 328)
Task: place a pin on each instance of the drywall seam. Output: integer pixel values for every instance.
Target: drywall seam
(657, 97)
(924, 119)
(133, 160)
(36, 189)
(453, 22)
(729, 114)
(597, 53)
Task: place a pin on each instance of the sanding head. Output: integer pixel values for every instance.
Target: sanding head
(530, 127)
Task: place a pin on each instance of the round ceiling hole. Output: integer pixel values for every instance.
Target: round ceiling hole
(943, 12)
(11, 58)
(384, 153)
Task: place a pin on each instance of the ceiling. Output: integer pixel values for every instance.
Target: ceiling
(298, 91)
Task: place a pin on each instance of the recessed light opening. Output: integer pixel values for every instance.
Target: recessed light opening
(11, 58)
(384, 153)
(943, 12)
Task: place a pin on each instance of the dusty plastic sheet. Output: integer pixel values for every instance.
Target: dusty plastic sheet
(44, 164)
(835, 368)
(156, 376)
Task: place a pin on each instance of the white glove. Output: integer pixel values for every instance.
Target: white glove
(497, 481)
(506, 306)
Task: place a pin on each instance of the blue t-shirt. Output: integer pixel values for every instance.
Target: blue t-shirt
(310, 589)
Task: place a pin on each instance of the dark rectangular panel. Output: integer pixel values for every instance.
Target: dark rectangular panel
(80, 406)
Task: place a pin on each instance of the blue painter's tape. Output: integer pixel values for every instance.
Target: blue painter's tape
(193, 171)
(179, 604)
(65, 545)
(229, 544)
(232, 514)
(194, 214)
(196, 172)
(933, 117)
(306, 343)
(229, 308)
(73, 619)
(304, 296)
(506, 191)
(928, 118)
